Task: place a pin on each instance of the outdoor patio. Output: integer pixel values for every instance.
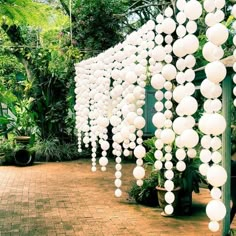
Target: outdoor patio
(68, 199)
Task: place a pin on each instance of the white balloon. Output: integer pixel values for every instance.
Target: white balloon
(191, 43)
(158, 120)
(181, 17)
(191, 27)
(158, 53)
(157, 81)
(216, 157)
(216, 193)
(190, 138)
(181, 31)
(168, 25)
(203, 168)
(169, 197)
(139, 122)
(233, 11)
(215, 210)
(205, 155)
(211, 52)
(105, 145)
(219, 15)
(118, 193)
(193, 10)
(217, 34)
(179, 48)
(130, 77)
(219, 4)
(214, 226)
(180, 64)
(169, 185)
(180, 166)
(180, 4)
(167, 136)
(215, 71)
(139, 172)
(206, 141)
(209, 5)
(190, 61)
(189, 105)
(216, 175)
(179, 93)
(169, 71)
(139, 151)
(210, 19)
(209, 89)
(103, 161)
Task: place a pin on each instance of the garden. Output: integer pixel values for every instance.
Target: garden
(74, 78)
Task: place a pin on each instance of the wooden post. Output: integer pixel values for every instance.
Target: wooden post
(226, 149)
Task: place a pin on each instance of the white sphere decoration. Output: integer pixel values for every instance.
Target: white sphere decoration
(118, 174)
(180, 65)
(130, 77)
(169, 209)
(179, 93)
(216, 193)
(139, 182)
(210, 19)
(125, 132)
(216, 143)
(215, 71)
(169, 185)
(103, 161)
(168, 25)
(118, 183)
(219, 4)
(216, 105)
(216, 157)
(168, 12)
(168, 40)
(190, 61)
(158, 53)
(158, 40)
(218, 124)
(139, 172)
(215, 210)
(209, 5)
(206, 141)
(118, 192)
(180, 4)
(169, 197)
(180, 124)
(158, 120)
(191, 43)
(219, 15)
(159, 106)
(159, 18)
(158, 81)
(158, 165)
(169, 71)
(167, 136)
(181, 17)
(168, 85)
(178, 48)
(191, 153)
(211, 52)
(168, 165)
(139, 122)
(180, 154)
(189, 75)
(191, 27)
(216, 175)
(190, 88)
(159, 144)
(181, 31)
(209, 89)
(189, 105)
(178, 142)
(217, 34)
(203, 169)
(180, 166)
(169, 174)
(139, 151)
(193, 9)
(214, 226)
(205, 155)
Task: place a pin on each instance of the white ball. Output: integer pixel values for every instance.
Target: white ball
(181, 17)
(180, 65)
(219, 15)
(215, 210)
(179, 93)
(217, 34)
(203, 169)
(191, 43)
(219, 4)
(169, 209)
(181, 31)
(180, 4)
(179, 48)
(210, 19)
(193, 10)
(180, 154)
(216, 193)
(169, 197)
(180, 124)
(209, 5)
(131, 77)
(191, 27)
(190, 61)
(158, 120)
(233, 11)
(216, 157)
(216, 175)
(105, 145)
(118, 193)
(169, 185)
(158, 53)
(168, 25)
(205, 155)
(191, 153)
(157, 81)
(168, 12)
(139, 151)
(139, 122)
(206, 141)
(169, 71)
(190, 138)
(211, 52)
(216, 143)
(167, 136)
(189, 105)
(215, 71)
(158, 165)
(118, 183)
(139, 172)
(180, 166)
(214, 226)
(218, 124)
(209, 89)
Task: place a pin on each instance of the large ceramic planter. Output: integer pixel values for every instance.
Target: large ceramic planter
(161, 197)
(23, 157)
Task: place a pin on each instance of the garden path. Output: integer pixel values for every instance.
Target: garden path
(68, 199)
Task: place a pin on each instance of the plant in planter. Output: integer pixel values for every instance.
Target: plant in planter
(147, 193)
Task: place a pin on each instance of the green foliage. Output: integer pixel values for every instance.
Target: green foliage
(147, 193)
(53, 150)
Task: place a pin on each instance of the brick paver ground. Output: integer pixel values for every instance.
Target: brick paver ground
(68, 199)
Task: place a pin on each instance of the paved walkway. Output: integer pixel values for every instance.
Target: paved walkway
(68, 199)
